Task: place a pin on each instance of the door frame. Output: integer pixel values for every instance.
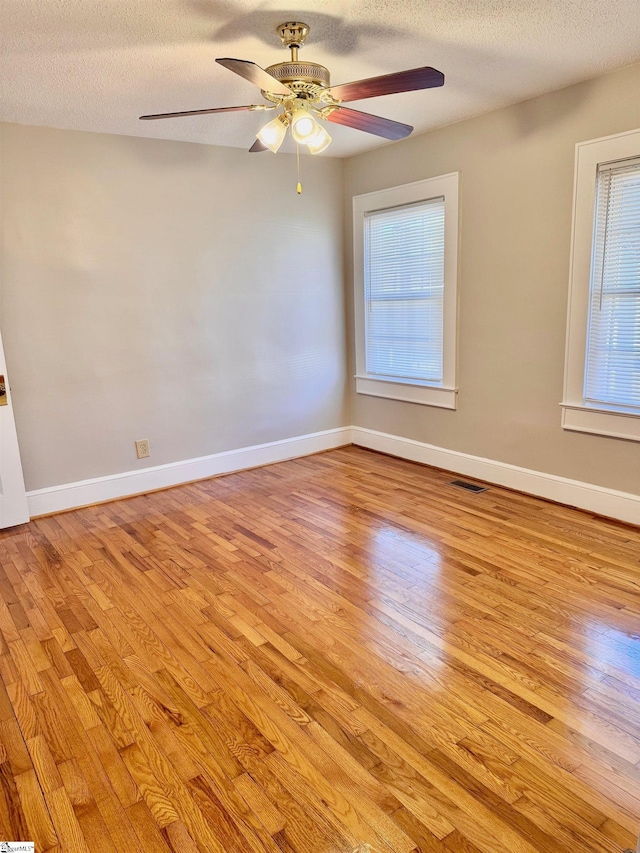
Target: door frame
(14, 508)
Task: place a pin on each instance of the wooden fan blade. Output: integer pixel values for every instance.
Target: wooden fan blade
(257, 146)
(389, 84)
(204, 112)
(384, 127)
(256, 75)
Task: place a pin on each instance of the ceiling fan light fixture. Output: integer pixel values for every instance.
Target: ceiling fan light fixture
(303, 125)
(272, 134)
(320, 141)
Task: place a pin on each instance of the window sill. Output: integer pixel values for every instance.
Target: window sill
(424, 395)
(600, 421)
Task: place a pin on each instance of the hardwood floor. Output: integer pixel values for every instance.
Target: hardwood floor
(332, 654)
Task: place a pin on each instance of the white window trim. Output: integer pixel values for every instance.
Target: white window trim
(576, 414)
(412, 391)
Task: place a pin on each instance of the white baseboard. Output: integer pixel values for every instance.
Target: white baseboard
(609, 502)
(100, 489)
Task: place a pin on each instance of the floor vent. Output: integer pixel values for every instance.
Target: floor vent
(470, 487)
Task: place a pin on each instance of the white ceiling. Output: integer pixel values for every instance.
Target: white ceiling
(98, 64)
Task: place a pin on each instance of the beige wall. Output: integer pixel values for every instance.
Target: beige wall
(185, 294)
(516, 168)
(170, 291)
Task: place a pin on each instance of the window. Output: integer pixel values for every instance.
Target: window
(405, 242)
(602, 381)
(612, 374)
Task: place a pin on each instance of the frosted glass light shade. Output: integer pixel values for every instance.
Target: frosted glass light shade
(319, 141)
(272, 134)
(303, 125)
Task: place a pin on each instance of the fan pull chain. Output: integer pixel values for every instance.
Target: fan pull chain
(299, 187)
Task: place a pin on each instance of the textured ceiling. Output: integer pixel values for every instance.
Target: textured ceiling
(98, 64)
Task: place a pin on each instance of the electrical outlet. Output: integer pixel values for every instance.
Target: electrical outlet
(142, 448)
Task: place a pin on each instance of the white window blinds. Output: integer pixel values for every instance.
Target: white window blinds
(404, 291)
(612, 375)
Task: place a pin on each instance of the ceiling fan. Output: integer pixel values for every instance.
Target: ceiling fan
(303, 95)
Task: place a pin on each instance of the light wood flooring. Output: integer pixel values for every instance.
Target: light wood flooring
(331, 654)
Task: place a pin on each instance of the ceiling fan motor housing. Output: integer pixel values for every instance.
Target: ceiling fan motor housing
(305, 73)
(305, 79)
